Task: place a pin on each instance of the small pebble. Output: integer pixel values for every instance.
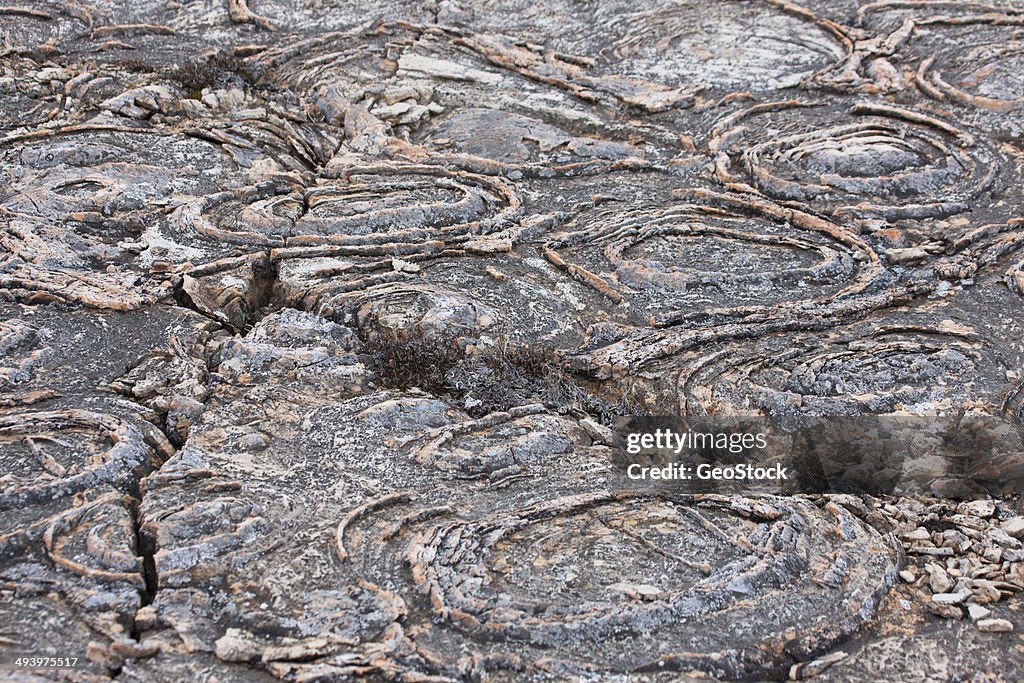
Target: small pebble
(976, 612)
(994, 626)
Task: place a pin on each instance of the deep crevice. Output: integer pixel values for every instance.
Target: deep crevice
(146, 546)
(239, 315)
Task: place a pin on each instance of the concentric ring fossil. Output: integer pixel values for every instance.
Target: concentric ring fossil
(727, 45)
(986, 76)
(886, 162)
(83, 204)
(644, 272)
(861, 369)
(971, 51)
(602, 583)
(690, 247)
(502, 443)
(96, 540)
(106, 170)
(54, 454)
(890, 13)
(364, 205)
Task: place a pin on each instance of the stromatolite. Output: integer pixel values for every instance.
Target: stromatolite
(317, 318)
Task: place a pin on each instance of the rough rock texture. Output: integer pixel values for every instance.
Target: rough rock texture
(314, 317)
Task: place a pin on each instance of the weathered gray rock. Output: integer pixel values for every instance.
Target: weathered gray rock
(316, 321)
(1014, 526)
(938, 580)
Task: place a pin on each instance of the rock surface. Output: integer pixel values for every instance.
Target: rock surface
(316, 319)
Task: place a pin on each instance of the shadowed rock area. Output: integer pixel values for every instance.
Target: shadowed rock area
(317, 320)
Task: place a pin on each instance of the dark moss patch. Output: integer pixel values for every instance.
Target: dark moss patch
(480, 378)
(219, 69)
